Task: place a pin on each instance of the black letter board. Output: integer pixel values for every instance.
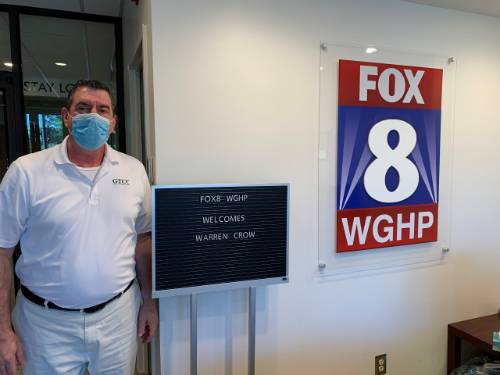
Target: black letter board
(218, 237)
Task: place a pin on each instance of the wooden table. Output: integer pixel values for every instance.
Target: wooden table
(478, 332)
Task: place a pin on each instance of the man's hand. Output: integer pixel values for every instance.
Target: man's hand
(11, 352)
(147, 323)
(10, 346)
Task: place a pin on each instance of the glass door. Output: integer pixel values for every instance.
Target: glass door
(56, 53)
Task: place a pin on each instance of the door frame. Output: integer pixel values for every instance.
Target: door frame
(13, 134)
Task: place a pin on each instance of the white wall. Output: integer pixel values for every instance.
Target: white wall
(236, 90)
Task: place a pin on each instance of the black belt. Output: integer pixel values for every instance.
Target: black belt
(51, 305)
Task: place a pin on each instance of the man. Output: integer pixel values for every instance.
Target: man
(82, 214)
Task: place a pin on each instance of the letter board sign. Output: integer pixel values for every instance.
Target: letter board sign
(218, 237)
(389, 124)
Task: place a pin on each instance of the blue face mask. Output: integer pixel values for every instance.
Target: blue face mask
(90, 130)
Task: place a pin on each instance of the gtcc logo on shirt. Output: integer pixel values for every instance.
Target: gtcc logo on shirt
(121, 181)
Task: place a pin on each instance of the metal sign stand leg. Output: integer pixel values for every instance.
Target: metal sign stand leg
(194, 334)
(251, 329)
(252, 292)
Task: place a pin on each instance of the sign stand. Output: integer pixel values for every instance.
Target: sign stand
(194, 334)
(252, 292)
(247, 225)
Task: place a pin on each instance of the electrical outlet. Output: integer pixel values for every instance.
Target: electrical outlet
(381, 364)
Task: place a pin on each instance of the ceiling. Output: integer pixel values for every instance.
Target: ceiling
(101, 7)
(113, 7)
(86, 47)
(486, 7)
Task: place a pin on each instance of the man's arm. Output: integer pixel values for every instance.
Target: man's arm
(148, 314)
(10, 346)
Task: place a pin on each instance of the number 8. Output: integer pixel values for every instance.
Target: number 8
(387, 157)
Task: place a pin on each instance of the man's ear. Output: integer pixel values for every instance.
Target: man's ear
(65, 117)
(112, 124)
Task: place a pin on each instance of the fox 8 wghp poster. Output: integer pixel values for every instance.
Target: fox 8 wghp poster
(388, 152)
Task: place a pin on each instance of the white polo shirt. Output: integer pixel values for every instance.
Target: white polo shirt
(77, 236)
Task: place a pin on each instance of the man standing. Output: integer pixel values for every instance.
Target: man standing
(82, 214)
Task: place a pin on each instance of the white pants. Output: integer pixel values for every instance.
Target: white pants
(70, 342)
